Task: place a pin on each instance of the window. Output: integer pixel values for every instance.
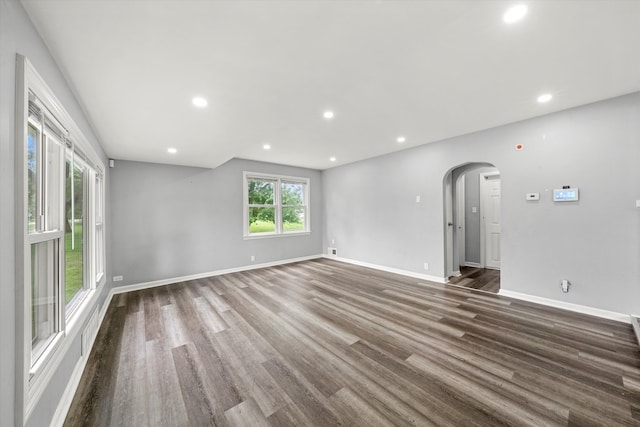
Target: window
(44, 235)
(275, 205)
(63, 251)
(61, 247)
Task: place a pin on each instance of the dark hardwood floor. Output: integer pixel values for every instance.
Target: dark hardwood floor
(323, 343)
(483, 279)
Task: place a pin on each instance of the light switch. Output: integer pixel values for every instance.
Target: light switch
(417, 199)
(474, 210)
(637, 203)
(533, 196)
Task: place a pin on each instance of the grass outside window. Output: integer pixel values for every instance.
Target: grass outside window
(73, 263)
(269, 226)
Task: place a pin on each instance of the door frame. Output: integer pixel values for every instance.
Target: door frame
(450, 198)
(459, 223)
(449, 227)
(483, 229)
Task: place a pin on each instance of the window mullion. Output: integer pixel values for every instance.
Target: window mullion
(278, 202)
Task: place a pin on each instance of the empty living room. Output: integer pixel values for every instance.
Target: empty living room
(319, 213)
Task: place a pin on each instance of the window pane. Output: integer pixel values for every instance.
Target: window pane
(52, 186)
(292, 194)
(99, 253)
(32, 176)
(262, 220)
(261, 192)
(44, 306)
(74, 233)
(293, 219)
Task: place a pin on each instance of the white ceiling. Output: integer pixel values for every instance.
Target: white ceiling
(427, 70)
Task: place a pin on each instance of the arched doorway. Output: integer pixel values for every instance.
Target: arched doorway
(472, 225)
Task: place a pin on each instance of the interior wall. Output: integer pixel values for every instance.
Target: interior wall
(372, 216)
(17, 35)
(175, 221)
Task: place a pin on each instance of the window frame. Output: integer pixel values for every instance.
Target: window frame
(33, 374)
(277, 204)
(97, 222)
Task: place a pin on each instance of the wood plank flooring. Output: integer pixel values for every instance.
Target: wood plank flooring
(483, 279)
(323, 343)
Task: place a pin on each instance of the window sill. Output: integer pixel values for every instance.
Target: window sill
(270, 235)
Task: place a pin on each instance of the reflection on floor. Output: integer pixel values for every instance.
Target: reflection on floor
(478, 278)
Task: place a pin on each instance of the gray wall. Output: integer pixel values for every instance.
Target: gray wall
(17, 35)
(173, 221)
(371, 213)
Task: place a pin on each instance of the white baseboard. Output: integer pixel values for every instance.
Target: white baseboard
(389, 269)
(472, 264)
(605, 314)
(162, 282)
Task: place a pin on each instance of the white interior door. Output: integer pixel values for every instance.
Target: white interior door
(491, 220)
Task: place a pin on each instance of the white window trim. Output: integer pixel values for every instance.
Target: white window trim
(246, 175)
(32, 379)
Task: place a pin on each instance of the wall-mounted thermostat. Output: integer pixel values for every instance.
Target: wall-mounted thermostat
(566, 195)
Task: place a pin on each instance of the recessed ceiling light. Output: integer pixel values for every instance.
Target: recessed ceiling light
(172, 150)
(545, 98)
(401, 139)
(199, 102)
(328, 114)
(332, 159)
(266, 147)
(515, 13)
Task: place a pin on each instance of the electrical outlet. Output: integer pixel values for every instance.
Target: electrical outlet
(332, 251)
(564, 285)
(426, 265)
(117, 278)
(253, 258)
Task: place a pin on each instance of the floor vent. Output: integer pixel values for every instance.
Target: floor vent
(90, 332)
(636, 327)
